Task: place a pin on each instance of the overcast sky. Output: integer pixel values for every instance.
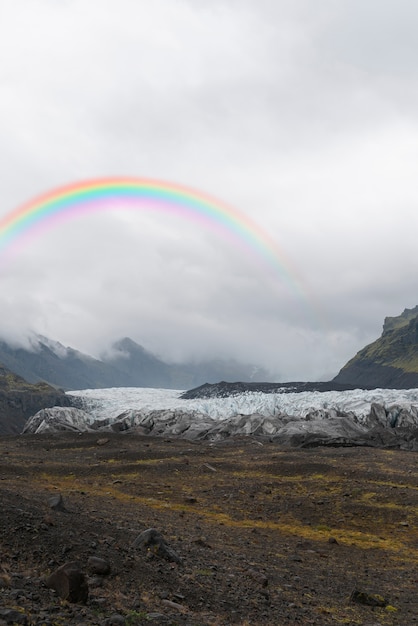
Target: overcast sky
(303, 115)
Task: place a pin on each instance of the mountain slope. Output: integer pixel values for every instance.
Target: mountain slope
(392, 360)
(146, 370)
(126, 364)
(63, 367)
(137, 365)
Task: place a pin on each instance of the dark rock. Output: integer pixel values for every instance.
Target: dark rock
(174, 605)
(98, 566)
(69, 582)
(361, 597)
(96, 582)
(57, 503)
(154, 542)
(11, 616)
(259, 577)
(115, 620)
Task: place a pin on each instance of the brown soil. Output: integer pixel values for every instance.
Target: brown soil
(266, 535)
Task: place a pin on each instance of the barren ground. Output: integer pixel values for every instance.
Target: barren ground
(266, 535)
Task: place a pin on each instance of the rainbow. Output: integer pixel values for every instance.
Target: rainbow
(77, 199)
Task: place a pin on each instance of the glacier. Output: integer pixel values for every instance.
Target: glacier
(109, 403)
(379, 417)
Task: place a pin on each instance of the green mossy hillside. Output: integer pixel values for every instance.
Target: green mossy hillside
(391, 360)
(12, 382)
(19, 400)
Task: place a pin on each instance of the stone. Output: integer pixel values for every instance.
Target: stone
(98, 566)
(259, 577)
(56, 503)
(154, 542)
(174, 605)
(69, 582)
(115, 620)
(368, 599)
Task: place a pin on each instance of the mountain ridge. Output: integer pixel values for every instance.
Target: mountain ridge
(125, 364)
(390, 361)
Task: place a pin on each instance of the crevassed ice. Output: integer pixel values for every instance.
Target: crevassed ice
(109, 403)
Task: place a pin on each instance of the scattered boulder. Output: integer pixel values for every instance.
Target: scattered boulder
(56, 503)
(368, 599)
(154, 543)
(69, 582)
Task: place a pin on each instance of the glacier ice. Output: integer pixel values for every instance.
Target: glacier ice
(109, 403)
(387, 418)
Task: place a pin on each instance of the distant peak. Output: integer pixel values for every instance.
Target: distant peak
(126, 343)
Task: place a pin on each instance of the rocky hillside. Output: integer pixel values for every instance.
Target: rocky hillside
(19, 400)
(391, 361)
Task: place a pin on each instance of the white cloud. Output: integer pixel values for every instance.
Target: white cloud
(302, 115)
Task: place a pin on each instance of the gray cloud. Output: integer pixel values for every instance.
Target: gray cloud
(301, 115)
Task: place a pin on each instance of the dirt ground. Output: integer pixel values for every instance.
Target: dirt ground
(264, 535)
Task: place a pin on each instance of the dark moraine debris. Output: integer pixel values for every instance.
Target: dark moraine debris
(225, 389)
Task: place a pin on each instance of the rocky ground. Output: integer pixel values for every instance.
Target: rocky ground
(247, 532)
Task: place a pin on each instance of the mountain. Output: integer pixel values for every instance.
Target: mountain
(126, 364)
(50, 361)
(144, 369)
(389, 362)
(19, 400)
(138, 366)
